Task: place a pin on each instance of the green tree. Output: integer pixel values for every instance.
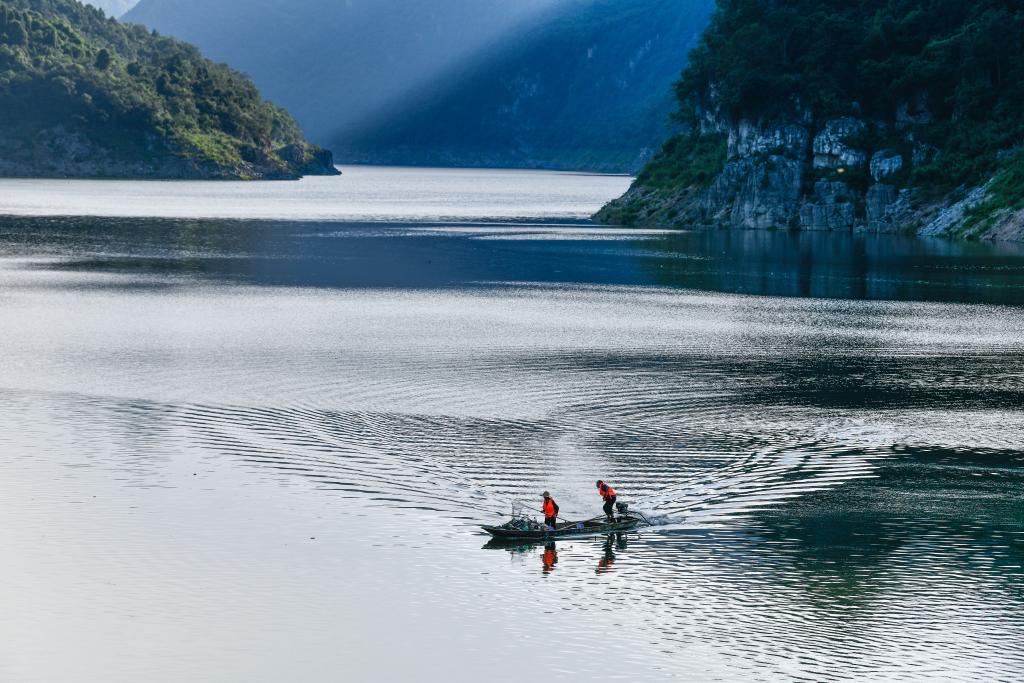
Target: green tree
(963, 61)
(176, 103)
(16, 33)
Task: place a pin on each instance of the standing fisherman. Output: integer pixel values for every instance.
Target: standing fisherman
(608, 493)
(550, 511)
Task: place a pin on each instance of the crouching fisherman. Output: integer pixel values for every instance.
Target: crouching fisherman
(608, 493)
(550, 510)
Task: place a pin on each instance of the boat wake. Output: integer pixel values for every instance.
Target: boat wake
(467, 468)
(766, 478)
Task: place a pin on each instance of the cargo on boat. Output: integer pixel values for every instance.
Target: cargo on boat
(524, 529)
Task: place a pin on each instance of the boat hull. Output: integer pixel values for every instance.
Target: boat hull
(590, 527)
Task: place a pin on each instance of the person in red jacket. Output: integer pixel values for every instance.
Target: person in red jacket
(608, 493)
(550, 511)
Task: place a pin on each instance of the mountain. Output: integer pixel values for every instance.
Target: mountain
(82, 95)
(336, 64)
(586, 87)
(563, 83)
(874, 116)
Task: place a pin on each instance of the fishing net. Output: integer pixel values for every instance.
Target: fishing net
(521, 519)
(521, 510)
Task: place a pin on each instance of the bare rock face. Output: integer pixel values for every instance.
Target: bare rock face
(755, 194)
(759, 187)
(831, 146)
(949, 217)
(888, 209)
(831, 208)
(880, 199)
(794, 175)
(747, 139)
(885, 163)
(1008, 225)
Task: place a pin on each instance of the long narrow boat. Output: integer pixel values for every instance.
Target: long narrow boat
(521, 529)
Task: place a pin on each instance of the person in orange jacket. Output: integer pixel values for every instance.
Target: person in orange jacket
(550, 510)
(608, 493)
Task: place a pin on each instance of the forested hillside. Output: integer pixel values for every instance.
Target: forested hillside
(82, 95)
(588, 88)
(338, 65)
(546, 83)
(879, 115)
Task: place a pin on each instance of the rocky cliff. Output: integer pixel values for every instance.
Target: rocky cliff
(807, 175)
(920, 157)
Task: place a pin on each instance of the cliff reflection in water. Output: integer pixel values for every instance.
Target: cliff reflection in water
(813, 264)
(369, 255)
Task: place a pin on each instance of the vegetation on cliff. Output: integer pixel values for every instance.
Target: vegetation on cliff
(82, 95)
(936, 85)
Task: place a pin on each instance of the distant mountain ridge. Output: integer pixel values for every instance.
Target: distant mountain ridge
(112, 8)
(576, 84)
(336, 65)
(82, 95)
(587, 89)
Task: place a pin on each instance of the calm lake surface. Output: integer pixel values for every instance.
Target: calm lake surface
(248, 431)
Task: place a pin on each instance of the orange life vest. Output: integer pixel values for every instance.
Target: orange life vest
(550, 509)
(606, 491)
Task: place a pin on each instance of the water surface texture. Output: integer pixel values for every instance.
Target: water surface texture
(240, 449)
(367, 193)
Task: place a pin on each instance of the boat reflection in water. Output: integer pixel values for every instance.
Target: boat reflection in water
(549, 559)
(613, 543)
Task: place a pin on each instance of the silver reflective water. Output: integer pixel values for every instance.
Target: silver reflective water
(259, 451)
(366, 193)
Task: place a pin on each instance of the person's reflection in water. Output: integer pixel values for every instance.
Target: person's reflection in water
(612, 543)
(549, 559)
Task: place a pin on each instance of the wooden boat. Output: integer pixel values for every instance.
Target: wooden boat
(523, 529)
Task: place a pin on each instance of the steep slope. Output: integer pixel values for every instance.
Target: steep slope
(556, 83)
(586, 88)
(336, 65)
(876, 115)
(82, 95)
